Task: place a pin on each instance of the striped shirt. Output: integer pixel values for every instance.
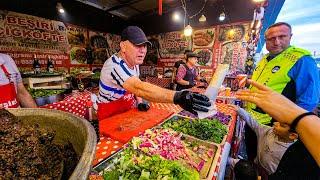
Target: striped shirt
(114, 73)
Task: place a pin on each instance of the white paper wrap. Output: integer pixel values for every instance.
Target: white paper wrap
(213, 89)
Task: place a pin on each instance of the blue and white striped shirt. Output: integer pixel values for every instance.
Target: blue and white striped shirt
(113, 74)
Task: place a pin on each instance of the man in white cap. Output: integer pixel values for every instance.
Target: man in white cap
(120, 86)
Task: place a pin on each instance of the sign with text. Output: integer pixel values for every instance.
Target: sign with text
(173, 44)
(20, 32)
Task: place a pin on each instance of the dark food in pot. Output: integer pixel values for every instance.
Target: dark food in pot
(27, 151)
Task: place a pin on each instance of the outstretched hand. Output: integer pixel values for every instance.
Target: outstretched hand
(273, 103)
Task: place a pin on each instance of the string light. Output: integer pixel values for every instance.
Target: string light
(60, 8)
(188, 30)
(176, 16)
(222, 16)
(202, 18)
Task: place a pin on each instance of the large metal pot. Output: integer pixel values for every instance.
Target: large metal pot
(69, 128)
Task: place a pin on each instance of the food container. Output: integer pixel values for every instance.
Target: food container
(41, 101)
(68, 128)
(187, 119)
(207, 172)
(54, 98)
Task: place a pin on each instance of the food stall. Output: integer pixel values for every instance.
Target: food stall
(76, 48)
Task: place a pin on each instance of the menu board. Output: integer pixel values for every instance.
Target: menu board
(173, 44)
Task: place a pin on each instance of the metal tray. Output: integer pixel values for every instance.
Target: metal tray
(175, 117)
(207, 172)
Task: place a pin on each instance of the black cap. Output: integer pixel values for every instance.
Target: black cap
(135, 35)
(189, 55)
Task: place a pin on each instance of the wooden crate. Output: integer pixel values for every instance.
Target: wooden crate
(53, 82)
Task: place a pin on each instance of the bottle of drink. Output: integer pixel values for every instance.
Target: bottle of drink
(50, 67)
(36, 65)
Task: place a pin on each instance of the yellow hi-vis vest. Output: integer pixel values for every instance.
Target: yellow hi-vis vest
(274, 74)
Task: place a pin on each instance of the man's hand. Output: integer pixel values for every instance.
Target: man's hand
(144, 106)
(273, 103)
(191, 102)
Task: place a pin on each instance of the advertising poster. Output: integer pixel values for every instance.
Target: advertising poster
(203, 38)
(173, 44)
(77, 36)
(231, 46)
(23, 36)
(99, 46)
(113, 43)
(25, 33)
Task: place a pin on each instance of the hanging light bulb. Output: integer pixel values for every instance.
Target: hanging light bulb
(60, 8)
(176, 17)
(222, 16)
(202, 18)
(187, 30)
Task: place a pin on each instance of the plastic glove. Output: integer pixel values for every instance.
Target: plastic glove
(191, 102)
(143, 106)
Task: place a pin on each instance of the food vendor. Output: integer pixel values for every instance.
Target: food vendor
(175, 68)
(120, 86)
(187, 73)
(13, 93)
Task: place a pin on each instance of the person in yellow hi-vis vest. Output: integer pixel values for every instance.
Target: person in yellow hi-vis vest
(286, 69)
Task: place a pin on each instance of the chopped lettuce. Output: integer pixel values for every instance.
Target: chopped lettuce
(135, 166)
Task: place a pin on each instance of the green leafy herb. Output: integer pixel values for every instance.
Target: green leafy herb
(205, 129)
(133, 165)
(36, 93)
